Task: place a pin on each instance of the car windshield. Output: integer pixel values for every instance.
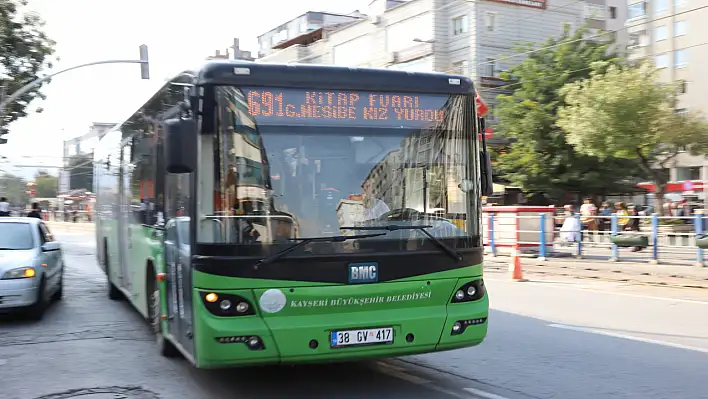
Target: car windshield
(16, 236)
(274, 182)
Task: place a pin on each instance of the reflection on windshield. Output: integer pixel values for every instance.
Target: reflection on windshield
(16, 236)
(275, 182)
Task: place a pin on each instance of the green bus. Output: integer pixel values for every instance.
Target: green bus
(260, 213)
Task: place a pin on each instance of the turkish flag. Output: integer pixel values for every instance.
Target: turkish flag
(482, 107)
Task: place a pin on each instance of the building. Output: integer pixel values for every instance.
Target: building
(454, 36)
(670, 33)
(234, 52)
(81, 145)
(303, 30)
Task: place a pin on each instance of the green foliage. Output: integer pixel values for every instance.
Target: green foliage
(627, 113)
(47, 185)
(540, 159)
(14, 188)
(25, 51)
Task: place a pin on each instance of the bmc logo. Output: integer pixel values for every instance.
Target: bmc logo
(363, 272)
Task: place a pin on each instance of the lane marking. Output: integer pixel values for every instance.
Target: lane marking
(629, 337)
(549, 283)
(483, 394)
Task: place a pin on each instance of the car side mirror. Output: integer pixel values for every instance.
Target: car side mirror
(181, 145)
(50, 246)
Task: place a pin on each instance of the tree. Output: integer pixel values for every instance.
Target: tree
(47, 185)
(539, 158)
(626, 113)
(14, 189)
(81, 172)
(26, 52)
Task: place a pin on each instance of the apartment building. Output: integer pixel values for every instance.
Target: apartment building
(670, 32)
(474, 38)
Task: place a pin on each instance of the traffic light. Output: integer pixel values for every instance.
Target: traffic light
(3, 131)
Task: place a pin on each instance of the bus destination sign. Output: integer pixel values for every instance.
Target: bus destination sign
(283, 106)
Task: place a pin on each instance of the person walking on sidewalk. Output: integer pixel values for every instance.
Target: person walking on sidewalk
(633, 224)
(36, 211)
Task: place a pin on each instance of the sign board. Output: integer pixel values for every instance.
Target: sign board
(287, 106)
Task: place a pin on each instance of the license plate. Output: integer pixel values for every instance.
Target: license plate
(369, 336)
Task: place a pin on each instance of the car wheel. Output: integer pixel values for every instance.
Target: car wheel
(36, 311)
(166, 348)
(114, 293)
(59, 293)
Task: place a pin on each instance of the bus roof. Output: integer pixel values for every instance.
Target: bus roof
(326, 77)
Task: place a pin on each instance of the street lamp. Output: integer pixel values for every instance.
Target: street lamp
(144, 74)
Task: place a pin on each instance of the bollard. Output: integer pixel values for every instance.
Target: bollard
(654, 239)
(542, 240)
(613, 232)
(580, 235)
(492, 246)
(698, 228)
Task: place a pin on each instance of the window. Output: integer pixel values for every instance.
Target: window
(490, 67)
(637, 10)
(662, 61)
(688, 173)
(661, 6)
(682, 87)
(459, 25)
(461, 67)
(661, 33)
(16, 236)
(680, 58)
(613, 12)
(680, 28)
(595, 11)
(490, 22)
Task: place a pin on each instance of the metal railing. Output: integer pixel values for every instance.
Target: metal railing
(668, 243)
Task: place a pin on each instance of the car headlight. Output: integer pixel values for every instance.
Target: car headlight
(20, 272)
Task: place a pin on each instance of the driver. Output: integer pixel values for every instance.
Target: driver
(373, 207)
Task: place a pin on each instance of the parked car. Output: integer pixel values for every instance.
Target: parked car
(31, 266)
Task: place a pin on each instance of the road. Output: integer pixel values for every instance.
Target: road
(561, 339)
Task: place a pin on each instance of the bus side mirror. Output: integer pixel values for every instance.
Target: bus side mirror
(181, 145)
(486, 168)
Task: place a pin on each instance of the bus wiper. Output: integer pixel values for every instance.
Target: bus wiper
(393, 227)
(305, 241)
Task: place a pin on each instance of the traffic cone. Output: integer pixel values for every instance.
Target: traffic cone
(515, 265)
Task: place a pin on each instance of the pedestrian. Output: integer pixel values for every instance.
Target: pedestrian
(570, 231)
(588, 210)
(36, 211)
(4, 207)
(605, 213)
(622, 216)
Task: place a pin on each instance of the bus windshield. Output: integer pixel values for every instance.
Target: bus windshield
(294, 163)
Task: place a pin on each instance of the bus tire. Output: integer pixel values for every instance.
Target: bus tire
(114, 293)
(164, 346)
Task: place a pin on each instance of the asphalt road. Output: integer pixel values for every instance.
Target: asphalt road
(551, 339)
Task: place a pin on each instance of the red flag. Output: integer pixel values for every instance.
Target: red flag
(482, 107)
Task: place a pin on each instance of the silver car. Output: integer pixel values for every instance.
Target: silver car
(31, 266)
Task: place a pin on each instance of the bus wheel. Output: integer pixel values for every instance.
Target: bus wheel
(114, 293)
(166, 348)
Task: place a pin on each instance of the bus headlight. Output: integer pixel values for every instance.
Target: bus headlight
(472, 291)
(226, 305)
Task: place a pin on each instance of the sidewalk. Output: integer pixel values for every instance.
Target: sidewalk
(69, 226)
(687, 276)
